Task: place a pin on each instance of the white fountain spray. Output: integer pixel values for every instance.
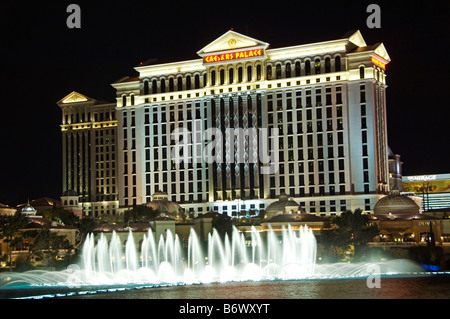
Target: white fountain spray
(290, 256)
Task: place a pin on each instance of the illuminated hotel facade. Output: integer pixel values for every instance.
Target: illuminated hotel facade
(326, 99)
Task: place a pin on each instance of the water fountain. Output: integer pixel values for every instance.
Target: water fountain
(163, 261)
(289, 255)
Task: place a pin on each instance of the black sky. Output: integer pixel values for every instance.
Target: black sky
(43, 61)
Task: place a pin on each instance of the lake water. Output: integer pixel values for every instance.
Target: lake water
(420, 287)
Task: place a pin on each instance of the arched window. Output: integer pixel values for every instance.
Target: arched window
(307, 67)
(197, 81)
(213, 78)
(163, 86)
(327, 65)
(171, 85)
(154, 87)
(288, 70)
(188, 82)
(269, 72)
(205, 78)
(317, 66)
(297, 69)
(146, 88)
(230, 75)
(278, 71)
(180, 83)
(337, 64)
(132, 99)
(258, 72)
(362, 72)
(240, 74)
(124, 100)
(222, 77)
(249, 73)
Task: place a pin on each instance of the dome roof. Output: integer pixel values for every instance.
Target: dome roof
(70, 192)
(396, 204)
(165, 207)
(29, 210)
(283, 205)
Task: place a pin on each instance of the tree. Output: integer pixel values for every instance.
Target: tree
(140, 213)
(10, 229)
(222, 223)
(46, 246)
(349, 233)
(61, 215)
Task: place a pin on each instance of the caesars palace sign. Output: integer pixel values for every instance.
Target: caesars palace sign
(233, 55)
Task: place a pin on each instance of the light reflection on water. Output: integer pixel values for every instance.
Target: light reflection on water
(432, 287)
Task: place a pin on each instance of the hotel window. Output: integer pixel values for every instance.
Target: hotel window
(240, 74)
(171, 85)
(249, 73)
(132, 99)
(269, 72)
(327, 65)
(188, 82)
(213, 78)
(297, 69)
(363, 123)
(317, 66)
(163, 86)
(307, 67)
(258, 72)
(361, 72)
(180, 83)
(337, 64)
(222, 77)
(278, 71)
(197, 81)
(124, 101)
(288, 70)
(154, 87)
(146, 88)
(230, 75)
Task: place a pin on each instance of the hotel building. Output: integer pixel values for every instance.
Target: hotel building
(89, 137)
(326, 99)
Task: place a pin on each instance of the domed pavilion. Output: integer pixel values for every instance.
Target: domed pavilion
(160, 203)
(283, 206)
(396, 203)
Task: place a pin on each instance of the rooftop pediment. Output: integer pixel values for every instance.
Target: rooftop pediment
(231, 40)
(74, 97)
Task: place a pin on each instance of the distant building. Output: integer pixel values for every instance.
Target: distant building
(41, 204)
(89, 141)
(6, 210)
(433, 189)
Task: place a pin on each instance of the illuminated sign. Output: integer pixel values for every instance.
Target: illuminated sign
(233, 55)
(377, 62)
(430, 186)
(422, 178)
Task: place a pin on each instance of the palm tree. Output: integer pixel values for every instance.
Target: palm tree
(349, 233)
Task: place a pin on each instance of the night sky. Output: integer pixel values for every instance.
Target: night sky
(43, 61)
